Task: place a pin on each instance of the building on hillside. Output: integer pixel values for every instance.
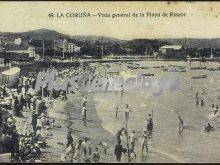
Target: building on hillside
(70, 47)
(66, 46)
(17, 41)
(6, 40)
(2, 49)
(77, 49)
(30, 50)
(172, 51)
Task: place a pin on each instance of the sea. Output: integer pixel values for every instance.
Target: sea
(166, 144)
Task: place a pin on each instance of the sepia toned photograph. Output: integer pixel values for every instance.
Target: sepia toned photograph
(109, 82)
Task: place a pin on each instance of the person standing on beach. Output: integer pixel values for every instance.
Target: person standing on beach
(119, 134)
(106, 87)
(149, 123)
(96, 155)
(132, 139)
(127, 109)
(86, 148)
(84, 110)
(180, 124)
(85, 100)
(28, 100)
(34, 121)
(145, 141)
(77, 154)
(118, 151)
(197, 102)
(69, 139)
(83, 113)
(202, 103)
(122, 90)
(14, 104)
(116, 112)
(22, 102)
(197, 95)
(19, 88)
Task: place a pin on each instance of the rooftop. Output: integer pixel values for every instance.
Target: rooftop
(175, 47)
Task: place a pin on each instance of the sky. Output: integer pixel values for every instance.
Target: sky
(202, 19)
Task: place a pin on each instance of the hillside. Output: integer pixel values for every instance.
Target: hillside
(195, 43)
(46, 34)
(35, 34)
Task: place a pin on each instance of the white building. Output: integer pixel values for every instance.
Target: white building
(30, 51)
(71, 47)
(172, 51)
(77, 49)
(2, 49)
(168, 48)
(17, 41)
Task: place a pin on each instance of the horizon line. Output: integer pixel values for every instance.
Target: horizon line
(83, 35)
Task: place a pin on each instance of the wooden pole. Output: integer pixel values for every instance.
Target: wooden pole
(146, 50)
(152, 114)
(43, 49)
(63, 48)
(102, 52)
(126, 126)
(85, 117)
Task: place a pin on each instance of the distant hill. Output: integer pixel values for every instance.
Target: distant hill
(138, 45)
(36, 34)
(195, 43)
(52, 35)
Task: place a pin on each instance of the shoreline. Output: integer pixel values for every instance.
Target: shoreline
(68, 114)
(154, 151)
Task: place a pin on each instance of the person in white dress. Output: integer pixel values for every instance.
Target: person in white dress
(144, 142)
(27, 129)
(78, 152)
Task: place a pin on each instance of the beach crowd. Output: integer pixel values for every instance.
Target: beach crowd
(29, 145)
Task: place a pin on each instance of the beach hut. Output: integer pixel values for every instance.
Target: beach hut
(5, 158)
(10, 77)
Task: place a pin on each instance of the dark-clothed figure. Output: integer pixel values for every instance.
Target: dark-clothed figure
(17, 107)
(22, 102)
(202, 103)
(118, 151)
(149, 123)
(28, 101)
(34, 102)
(69, 139)
(34, 121)
(181, 126)
(209, 127)
(119, 133)
(96, 155)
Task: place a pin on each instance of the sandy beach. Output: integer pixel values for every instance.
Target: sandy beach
(68, 114)
(166, 145)
(103, 125)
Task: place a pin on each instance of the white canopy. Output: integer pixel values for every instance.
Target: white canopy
(10, 77)
(11, 71)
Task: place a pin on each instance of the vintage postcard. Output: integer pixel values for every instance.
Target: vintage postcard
(109, 82)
